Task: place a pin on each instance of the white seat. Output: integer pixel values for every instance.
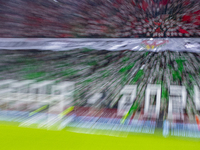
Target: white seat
(4, 94)
(20, 89)
(152, 89)
(39, 91)
(6, 83)
(63, 91)
(128, 92)
(94, 98)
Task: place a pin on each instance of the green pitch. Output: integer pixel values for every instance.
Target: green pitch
(15, 138)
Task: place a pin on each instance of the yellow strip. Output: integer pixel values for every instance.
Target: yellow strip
(38, 110)
(124, 118)
(65, 112)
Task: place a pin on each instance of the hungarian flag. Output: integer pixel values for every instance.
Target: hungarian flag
(182, 31)
(164, 2)
(157, 23)
(197, 12)
(186, 18)
(187, 2)
(144, 5)
(158, 29)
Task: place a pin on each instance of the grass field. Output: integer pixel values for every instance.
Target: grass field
(101, 72)
(14, 138)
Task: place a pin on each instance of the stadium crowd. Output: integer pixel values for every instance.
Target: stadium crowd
(100, 18)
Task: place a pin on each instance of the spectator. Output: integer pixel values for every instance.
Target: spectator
(102, 18)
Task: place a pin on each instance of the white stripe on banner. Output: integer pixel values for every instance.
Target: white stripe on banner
(111, 44)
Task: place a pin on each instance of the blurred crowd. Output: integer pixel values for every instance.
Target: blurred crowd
(100, 18)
